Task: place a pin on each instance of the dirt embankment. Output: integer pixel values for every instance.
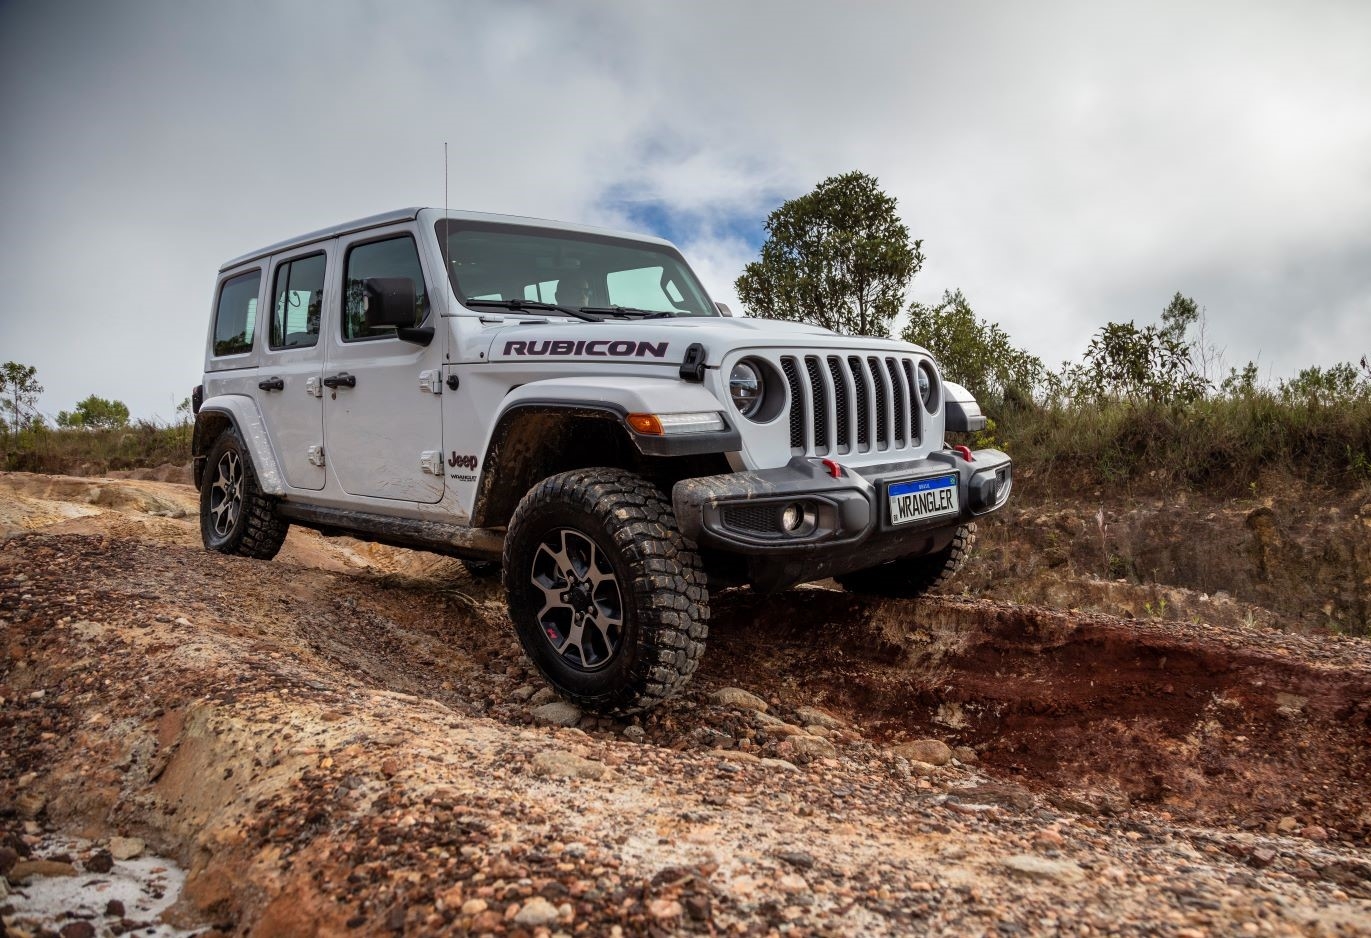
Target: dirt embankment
(1297, 559)
(348, 739)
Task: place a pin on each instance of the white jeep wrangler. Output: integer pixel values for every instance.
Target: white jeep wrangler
(567, 405)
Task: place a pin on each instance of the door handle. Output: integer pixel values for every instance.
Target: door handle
(272, 384)
(341, 380)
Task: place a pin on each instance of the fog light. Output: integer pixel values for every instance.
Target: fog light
(792, 517)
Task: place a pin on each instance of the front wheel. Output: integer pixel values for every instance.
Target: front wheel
(909, 577)
(607, 596)
(235, 516)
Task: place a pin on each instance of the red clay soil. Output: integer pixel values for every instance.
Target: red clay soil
(1215, 725)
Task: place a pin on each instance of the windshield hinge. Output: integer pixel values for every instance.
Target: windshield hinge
(693, 367)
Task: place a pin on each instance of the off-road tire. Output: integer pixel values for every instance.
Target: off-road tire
(663, 597)
(909, 577)
(482, 569)
(235, 516)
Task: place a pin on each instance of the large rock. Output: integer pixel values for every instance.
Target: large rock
(1028, 866)
(813, 716)
(126, 848)
(536, 911)
(812, 747)
(557, 713)
(930, 751)
(737, 697)
(557, 762)
(25, 868)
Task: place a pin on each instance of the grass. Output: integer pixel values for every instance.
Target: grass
(94, 452)
(1222, 446)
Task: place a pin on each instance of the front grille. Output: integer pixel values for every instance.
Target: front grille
(851, 404)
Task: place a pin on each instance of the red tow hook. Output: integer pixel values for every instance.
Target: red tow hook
(964, 452)
(835, 470)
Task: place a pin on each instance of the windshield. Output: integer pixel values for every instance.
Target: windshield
(502, 263)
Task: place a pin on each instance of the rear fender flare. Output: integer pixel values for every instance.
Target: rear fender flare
(242, 412)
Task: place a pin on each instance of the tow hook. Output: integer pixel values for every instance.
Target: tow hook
(964, 452)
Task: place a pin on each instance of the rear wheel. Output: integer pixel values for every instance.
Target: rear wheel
(235, 517)
(913, 576)
(608, 598)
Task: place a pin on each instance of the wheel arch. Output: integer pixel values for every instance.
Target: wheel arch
(565, 423)
(240, 413)
(533, 440)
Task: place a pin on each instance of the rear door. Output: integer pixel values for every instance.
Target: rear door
(289, 393)
(383, 420)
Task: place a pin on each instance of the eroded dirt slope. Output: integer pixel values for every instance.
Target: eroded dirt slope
(348, 739)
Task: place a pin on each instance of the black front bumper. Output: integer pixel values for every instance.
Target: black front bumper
(845, 519)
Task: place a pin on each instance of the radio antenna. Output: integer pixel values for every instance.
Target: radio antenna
(447, 269)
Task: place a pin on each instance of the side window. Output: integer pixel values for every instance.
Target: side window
(394, 257)
(235, 317)
(299, 302)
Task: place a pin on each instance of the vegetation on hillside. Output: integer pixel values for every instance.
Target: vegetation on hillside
(1148, 406)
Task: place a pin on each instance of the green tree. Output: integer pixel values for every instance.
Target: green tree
(1337, 384)
(1180, 314)
(973, 352)
(1140, 365)
(96, 413)
(20, 387)
(838, 257)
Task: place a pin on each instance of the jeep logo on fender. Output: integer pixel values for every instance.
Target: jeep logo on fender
(464, 462)
(615, 348)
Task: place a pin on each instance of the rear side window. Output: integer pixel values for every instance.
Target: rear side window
(235, 318)
(299, 302)
(394, 257)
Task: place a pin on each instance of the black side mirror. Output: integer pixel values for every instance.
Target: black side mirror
(388, 301)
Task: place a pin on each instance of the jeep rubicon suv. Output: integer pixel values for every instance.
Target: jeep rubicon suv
(567, 405)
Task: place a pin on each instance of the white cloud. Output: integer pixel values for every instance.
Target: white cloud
(1065, 164)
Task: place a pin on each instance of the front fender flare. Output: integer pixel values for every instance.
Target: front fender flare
(252, 430)
(633, 396)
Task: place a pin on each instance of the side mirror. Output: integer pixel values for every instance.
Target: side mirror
(388, 301)
(723, 309)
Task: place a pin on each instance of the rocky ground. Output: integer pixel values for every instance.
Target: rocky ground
(348, 740)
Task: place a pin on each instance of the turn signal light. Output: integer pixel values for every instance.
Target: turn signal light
(647, 424)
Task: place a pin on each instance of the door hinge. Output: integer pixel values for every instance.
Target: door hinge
(316, 455)
(431, 461)
(314, 387)
(431, 381)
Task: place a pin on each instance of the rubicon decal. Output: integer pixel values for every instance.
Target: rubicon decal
(599, 348)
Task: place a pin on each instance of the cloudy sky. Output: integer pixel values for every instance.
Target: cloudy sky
(1066, 164)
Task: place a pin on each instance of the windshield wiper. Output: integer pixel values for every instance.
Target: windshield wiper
(628, 311)
(521, 305)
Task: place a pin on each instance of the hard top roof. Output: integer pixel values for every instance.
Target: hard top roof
(409, 214)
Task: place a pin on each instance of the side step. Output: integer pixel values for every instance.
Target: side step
(452, 540)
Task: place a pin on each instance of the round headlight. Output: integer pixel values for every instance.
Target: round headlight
(746, 387)
(926, 386)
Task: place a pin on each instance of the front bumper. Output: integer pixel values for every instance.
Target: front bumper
(846, 522)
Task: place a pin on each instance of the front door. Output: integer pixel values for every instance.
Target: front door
(383, 421)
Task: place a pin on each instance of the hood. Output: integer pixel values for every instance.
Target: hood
(667, 339)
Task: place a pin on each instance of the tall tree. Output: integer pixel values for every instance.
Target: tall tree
(20, 387)
(96, 413)
(838, 257)
(973, 352)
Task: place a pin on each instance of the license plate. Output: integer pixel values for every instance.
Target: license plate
(921, 499)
